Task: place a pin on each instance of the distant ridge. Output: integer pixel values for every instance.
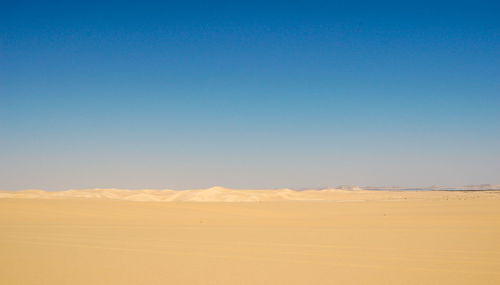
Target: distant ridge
(479, 187)
(222, 194)
(440, 188)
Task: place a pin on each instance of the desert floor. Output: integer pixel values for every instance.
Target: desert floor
(357, 238)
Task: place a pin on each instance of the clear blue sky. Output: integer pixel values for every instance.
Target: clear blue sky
(248, 94)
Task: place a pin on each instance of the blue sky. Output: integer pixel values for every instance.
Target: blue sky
(248, 94)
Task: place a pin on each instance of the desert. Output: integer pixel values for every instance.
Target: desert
(224, 236)
(249, 142)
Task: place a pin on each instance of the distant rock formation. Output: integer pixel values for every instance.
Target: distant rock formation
(349, 187)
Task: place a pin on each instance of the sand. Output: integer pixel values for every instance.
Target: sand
(282, 237)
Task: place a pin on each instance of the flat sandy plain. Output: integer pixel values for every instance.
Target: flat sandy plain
(279, 237)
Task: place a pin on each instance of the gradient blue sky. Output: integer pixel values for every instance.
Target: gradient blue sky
(248, 94)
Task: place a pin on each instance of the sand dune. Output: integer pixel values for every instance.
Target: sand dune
(110, 236)
(221, 194)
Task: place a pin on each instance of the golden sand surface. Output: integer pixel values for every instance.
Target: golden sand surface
(332, 237)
